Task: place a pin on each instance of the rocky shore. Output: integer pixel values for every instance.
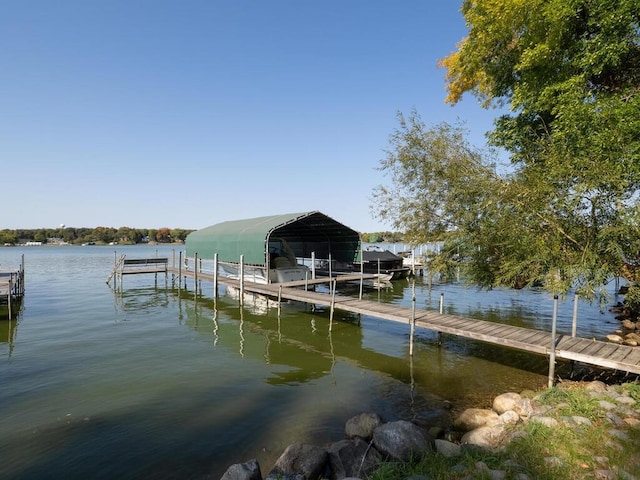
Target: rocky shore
(629, 331)
(370, 442)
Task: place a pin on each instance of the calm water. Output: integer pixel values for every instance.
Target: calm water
(146, 383)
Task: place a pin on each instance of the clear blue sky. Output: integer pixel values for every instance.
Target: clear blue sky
(182, 114)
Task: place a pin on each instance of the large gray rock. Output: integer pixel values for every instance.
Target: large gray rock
(546, 421)
(473, 418)
(352, 458)
(362, 425)
(485, 437)
(523, 407)
(446, 448)
(243, 471)
(302, 459)
(402, 440)
(509, 417)
(506, 401)
(596, 386)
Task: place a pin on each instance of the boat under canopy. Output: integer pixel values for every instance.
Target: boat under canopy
(264, 241)
(376, 260)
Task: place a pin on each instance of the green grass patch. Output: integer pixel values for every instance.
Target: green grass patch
(571, 451)
(633, 389)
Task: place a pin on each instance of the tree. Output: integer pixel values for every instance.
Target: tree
(179, 234)
(40, 236)
(568, 70)
(8, 237)
(511, 228)
(567, 213)
(163, 235)
(126, 234)
(444, 188)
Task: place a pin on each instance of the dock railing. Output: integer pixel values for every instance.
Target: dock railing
(12, 287)
(132, 266)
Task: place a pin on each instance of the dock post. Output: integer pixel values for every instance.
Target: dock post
(179, 272)
(115, 273)
(195, 274)
(574, 326)
(9, 298)
(173, 267)
(361, 274)
(413, 314)
(166, 274)
(215, 275)
(313, 265)
(22, 274)
(241, 279)
(186, 268)
(333, 303)
(552, 354)
(441, 312)
(279, 298)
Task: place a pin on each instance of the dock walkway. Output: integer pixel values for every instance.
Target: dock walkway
(12, 288)
(583, 350)
(136, 266)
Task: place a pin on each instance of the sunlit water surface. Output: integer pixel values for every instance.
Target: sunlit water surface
(147, 382)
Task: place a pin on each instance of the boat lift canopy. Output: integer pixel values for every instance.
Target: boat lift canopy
(305, 233)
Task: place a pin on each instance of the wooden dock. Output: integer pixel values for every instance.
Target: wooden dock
(12, 288)
(136, 266)
(582, 350)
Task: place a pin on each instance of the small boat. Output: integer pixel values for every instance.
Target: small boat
(383, 262)
(283, 266)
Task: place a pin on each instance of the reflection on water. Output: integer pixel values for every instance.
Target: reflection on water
(147, 381)
(8, 330)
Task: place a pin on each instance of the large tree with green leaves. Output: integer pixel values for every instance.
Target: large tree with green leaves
(567, 212)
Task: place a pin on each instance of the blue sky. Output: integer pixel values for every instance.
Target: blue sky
(154, 113)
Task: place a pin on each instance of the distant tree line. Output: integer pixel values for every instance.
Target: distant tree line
(103, 235)
(386, 237)
(131, 236)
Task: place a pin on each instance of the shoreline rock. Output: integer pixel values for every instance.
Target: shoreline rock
(369, 441)
(629, 331)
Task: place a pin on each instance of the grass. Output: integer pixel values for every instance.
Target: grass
(570, 451)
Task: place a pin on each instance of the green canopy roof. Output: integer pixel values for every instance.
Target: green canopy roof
(305, 233)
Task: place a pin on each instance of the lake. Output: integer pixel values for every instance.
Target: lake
(151, 382)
